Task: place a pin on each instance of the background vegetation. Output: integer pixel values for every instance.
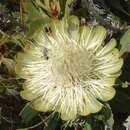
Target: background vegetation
(18, 20)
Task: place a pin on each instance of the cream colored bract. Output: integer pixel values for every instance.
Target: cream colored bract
(69, 69)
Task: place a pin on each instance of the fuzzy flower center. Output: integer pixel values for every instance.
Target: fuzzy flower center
(72, 64)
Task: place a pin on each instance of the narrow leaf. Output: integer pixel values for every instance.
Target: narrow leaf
(68, 7)
(52, 123)
(28, 113)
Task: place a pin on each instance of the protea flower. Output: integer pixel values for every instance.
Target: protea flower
(69, 69)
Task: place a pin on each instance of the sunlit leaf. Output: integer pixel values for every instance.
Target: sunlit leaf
(125, 42)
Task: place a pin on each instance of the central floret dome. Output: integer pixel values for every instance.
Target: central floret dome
(72, 65)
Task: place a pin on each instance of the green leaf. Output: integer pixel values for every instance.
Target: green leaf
(53, 121)
(87, 126)
(122, 84)
(38, 23)
(125, 84)
(110, 123)
(62, 6)
(89, 123)
(105, 117)
(28, 113)
(68, 7)
(32, 12)
(109, 120)
(106, 111)
(105, 114)
(125, 42)
(19, 39)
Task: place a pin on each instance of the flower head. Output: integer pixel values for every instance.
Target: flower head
(69, 69)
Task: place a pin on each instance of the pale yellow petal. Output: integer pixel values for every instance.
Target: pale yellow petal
(95, 37)
(107, 48)
(102, 91)
(27, 95)
(91, 103)
(41, 105)
(73, 28)
(112, 68)
(68, 107)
